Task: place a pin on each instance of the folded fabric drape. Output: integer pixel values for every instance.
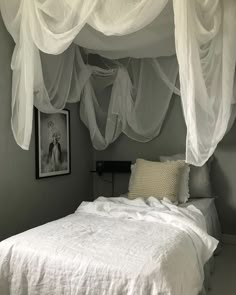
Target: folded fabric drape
(51, 26)
(201, 33)
(140, 113)
(206, 52)
(114, 100)
(154, 40)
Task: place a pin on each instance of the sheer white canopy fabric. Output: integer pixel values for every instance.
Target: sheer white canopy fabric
(111, 100)
(51, 26)
(126, 110)
(205, 47)
(154, 40)
(206, 51)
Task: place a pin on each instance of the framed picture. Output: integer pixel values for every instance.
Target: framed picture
(53, 155)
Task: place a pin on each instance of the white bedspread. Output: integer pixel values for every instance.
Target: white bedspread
(110, 246)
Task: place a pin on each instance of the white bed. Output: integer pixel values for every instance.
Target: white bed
(111, 246)
(208, 209)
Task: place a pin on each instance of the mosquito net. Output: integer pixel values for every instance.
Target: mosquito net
(156, 40)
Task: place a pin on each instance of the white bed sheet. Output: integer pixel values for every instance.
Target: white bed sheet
(208, 209)
(109, 247)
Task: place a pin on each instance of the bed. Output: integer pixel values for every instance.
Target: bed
(208, 209)
(114, 246)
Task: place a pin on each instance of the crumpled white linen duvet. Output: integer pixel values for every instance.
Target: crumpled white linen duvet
(110, 246)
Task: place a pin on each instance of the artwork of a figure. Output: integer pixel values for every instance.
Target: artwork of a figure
(53, 144)
(54, 149)
(54, 153)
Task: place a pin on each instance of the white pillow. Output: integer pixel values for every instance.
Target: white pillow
(199, 182)
(183, 193)
(199, 177)
(155, 179)
(131, 179)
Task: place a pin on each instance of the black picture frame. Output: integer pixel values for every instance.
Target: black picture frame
(53, 146)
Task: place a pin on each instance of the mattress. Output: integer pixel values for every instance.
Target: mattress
(208, 209)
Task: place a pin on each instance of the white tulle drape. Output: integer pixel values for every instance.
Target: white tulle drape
(206, 51)
(111, 100)
(154, 40)
(127, 110)
(202, 32)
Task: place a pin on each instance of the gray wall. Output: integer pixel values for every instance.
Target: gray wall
(24, 201)
(171, 141)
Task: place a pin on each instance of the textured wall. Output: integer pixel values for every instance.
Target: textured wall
(24, 201)
(171, 141)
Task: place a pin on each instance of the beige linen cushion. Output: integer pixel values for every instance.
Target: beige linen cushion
(199, 177)
(155, 179)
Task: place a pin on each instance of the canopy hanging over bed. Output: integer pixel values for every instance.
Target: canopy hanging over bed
(194, 38)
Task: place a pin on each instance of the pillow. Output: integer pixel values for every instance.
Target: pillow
(132, 175)
(199, 182)
(199, 177)
(155, 179)
(183, 188)
(183, 192)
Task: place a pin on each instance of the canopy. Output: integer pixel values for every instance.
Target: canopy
(200, 34)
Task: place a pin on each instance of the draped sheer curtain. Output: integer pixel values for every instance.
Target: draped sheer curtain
(162, 37)
(206, 51)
